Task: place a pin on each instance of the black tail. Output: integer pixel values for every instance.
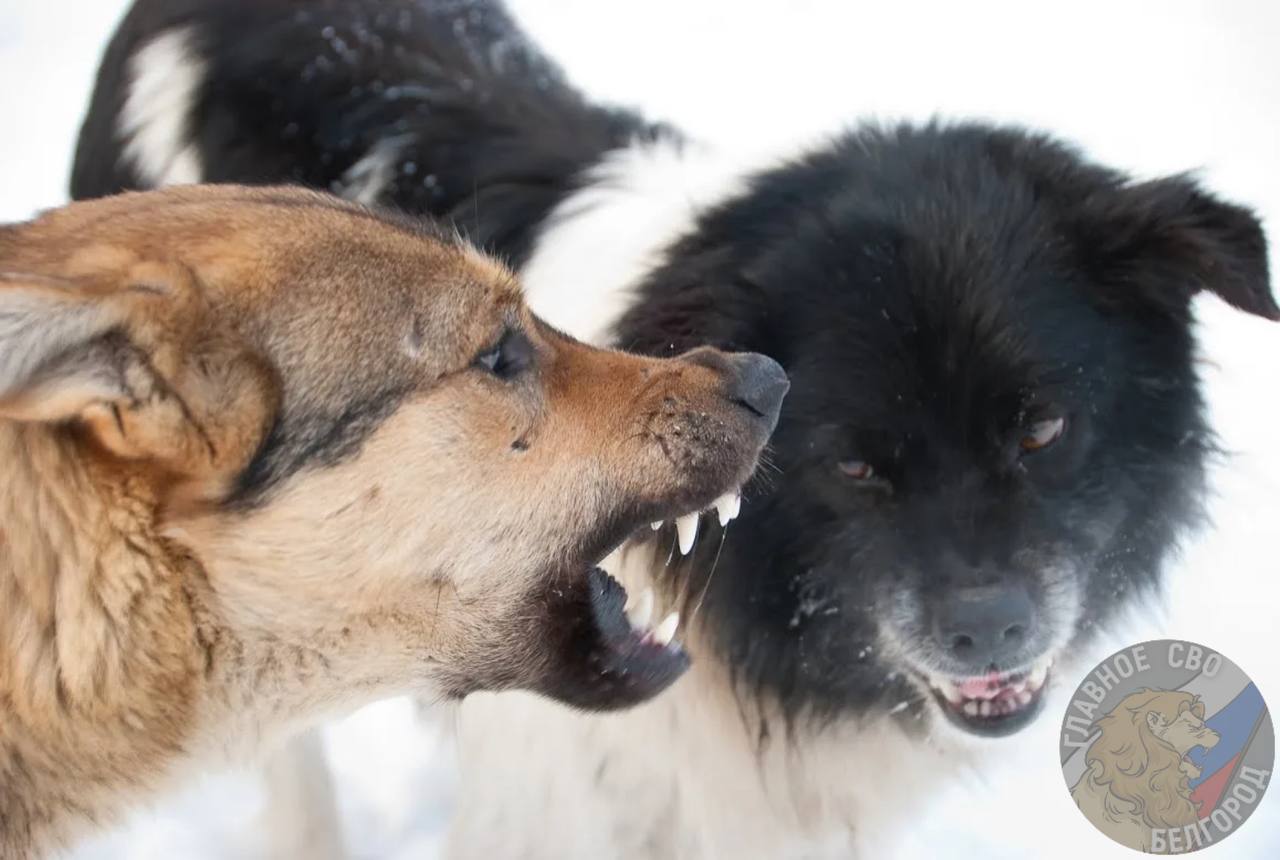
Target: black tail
(439, 107)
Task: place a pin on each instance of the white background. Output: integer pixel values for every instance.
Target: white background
(1150, 87)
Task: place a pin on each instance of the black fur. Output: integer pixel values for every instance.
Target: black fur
(932, 291)
(489, 135)
(311, 436)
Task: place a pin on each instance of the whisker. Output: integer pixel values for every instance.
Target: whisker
(706, 585)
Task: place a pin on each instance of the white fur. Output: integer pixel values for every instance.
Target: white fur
(364, 181)
(155, 121)
(600, 242)
(684, 776)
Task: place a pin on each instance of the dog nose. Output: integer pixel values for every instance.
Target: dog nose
(754, 381)
(983, 625)
(759, 384)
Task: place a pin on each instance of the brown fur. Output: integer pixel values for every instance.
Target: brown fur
(250, 474)
(1137, 779)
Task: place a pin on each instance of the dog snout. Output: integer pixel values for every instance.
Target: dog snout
(985, 625)
(760, 385)
(753, 381)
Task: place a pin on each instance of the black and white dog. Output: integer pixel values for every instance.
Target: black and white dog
(994, 436)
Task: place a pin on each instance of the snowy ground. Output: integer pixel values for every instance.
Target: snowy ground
(1150, 87)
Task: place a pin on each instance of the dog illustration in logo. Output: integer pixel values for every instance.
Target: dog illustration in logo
(1139, 770)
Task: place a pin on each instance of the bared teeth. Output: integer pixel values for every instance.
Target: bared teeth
(1038, 673)
(728, 506)
(687, 532)
(641, 612)
(948, 690)
(666, 630)
(1003, 696)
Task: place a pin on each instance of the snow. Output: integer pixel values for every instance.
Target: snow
(1154, 88)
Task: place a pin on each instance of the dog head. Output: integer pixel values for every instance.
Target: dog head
(995, 432)
(372, 449)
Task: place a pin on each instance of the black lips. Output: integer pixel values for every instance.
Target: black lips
(605, 663)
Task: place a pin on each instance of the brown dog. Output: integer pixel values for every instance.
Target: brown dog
(266, 455)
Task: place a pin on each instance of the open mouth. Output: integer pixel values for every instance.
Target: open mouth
(632, 658)
(993, 704)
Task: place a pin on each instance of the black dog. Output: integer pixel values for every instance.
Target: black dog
(994, 435)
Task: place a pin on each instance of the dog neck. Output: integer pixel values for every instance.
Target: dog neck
(116, 665)
(100, 673)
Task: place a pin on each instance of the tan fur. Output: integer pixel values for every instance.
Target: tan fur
(1137, 779)
(150, 347)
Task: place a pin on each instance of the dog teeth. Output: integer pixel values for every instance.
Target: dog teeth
(1007, 699)
(727, 507)
(687, 530)
(948, 690)
(1038, 673)
(641, 612)
(666, 630)
(610, 561)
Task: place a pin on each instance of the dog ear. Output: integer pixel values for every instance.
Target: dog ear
(53, 342)
(139, 364)
(1167, 239)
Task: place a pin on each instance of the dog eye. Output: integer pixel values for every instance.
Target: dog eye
(512, 355)
(859, 470)
(1042, 434)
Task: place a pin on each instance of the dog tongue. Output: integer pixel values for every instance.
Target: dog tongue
(980, 686)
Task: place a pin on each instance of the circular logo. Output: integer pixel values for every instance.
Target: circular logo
(1167, 747)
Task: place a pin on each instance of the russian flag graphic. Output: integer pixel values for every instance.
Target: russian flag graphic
(1237, 723)
(1234, 709)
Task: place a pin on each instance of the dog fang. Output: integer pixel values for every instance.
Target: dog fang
(687, 529)
(727, 507)
(666, 631)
